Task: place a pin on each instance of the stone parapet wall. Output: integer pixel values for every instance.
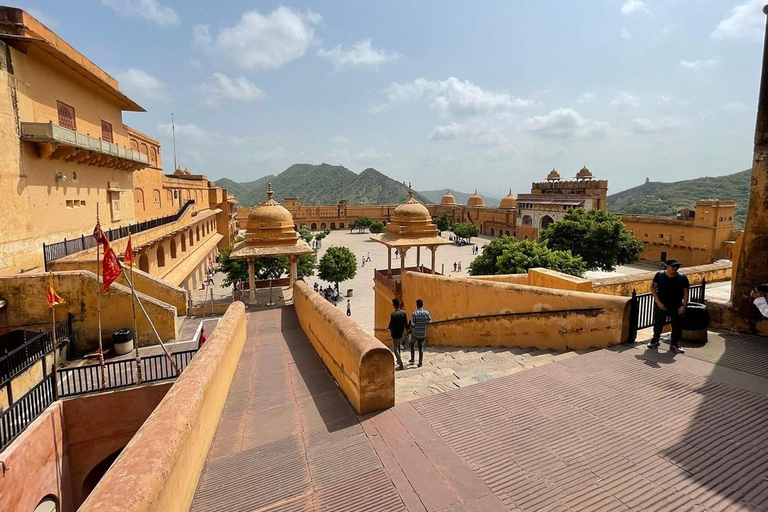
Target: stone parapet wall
(623, 285)
(160, 467)
(361, 364)
(471, 312)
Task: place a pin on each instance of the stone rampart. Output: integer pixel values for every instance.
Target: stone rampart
(473, 312)
(361, 364)
(623, 285)
(160, 467)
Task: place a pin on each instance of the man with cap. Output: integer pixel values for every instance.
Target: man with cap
(670, 293)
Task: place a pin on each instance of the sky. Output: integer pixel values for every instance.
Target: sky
(444, 94)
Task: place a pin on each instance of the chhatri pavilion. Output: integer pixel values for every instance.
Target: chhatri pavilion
(270, 232)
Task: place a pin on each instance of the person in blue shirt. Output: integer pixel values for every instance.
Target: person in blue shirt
(419, 320)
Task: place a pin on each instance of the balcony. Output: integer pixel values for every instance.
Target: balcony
(64, 144)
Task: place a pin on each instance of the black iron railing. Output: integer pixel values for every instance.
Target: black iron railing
(52, 252)
(641, 312)
(15, 419)
(21, 358)
(118, 374)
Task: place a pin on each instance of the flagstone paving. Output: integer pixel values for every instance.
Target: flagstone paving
(619, 429)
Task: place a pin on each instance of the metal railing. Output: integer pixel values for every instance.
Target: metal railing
(58, 250)
(21, 358)
(118, 374)
(641, 312)
(15, 419)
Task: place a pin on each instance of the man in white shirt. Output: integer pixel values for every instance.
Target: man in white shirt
(758, 296)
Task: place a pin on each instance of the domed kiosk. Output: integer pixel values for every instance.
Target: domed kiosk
(476, 200)
(269, 232)
(448, 199)
(508, 202)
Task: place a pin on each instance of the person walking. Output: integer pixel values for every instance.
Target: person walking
(349, 308)
(398, 323)
(419, 320)
(670, 290)
(454, 266)
(459, 266)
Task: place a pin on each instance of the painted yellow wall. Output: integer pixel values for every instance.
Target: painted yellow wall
(465, 298)
(363, 366)
(623, 285)
(160, 467)
(26, 305)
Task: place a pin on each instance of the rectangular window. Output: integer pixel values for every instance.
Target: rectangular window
(70, 203)
(682, 238)
(661, 235)
(66, 116)
(106, 131)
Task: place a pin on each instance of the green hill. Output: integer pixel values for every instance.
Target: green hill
(657, 198)
(322, 184)
(434, 196)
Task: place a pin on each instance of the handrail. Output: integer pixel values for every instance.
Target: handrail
(58, 250)
(24, 356)
(521, 313)
(23, 411)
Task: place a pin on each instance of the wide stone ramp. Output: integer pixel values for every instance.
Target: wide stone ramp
(287, 438)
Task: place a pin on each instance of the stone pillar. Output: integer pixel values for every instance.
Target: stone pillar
(752, 268)
(293, 271)
(418, 255)
(389, 262)
(433, 248)
(251, 282)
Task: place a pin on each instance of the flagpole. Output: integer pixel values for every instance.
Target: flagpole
(55, 352)
(139, 378)
(98, 302)
(159, 339)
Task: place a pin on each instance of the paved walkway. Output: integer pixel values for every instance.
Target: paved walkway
(619, 429)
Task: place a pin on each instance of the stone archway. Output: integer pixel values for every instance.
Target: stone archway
(507, 232)
(313, 227)
(546, 221)
(95, 475)
(160, 256)
(527, 220)
(493, 232)
(322, 225)
(341, 225)
(144, 263)
(173, 249)
(333, 225)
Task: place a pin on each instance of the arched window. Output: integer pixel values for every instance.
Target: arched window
(191, 239)
(134, 144)
(492, 232)
(138, 195)
(527, 220)
(160, 256)
(313, 227)
(144, 263)
(153, 157)
(322, 225)
(507, 232)
(546, 221)
(173, 248)
(341, 225)
(183, 243)
(333, 225)
(143, 148)
(156, 198)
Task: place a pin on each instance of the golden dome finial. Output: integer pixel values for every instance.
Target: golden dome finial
(270, 192)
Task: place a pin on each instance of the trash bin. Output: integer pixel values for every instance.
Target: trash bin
(349, 292)
(695, 322)
(122, 339)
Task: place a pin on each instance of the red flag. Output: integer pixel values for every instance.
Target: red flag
(99, 235)
(111, 267)
(201, 341)
(52, 297)
(129, 259)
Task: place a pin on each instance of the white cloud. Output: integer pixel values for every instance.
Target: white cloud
(259, 41)
(359, 54)
(221, 86)
(585, 97)
(565, 123)
(150, 10)
(633, 6)
(449, 132)
(746, 21)
(142, 85)
(699, 64)
(452, 96)
(625, 99)
(624, 33)
(641, 125)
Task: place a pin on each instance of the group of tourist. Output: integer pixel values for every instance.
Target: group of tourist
(331, 294)
(407, 333)
(457, 266)
(365, 259)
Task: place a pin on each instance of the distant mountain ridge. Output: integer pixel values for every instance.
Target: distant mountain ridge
(322, 184)
(434, 196)
(657, 198)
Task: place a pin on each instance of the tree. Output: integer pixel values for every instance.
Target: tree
(306, 264)
(361, 223)
(337, 264)
(442, 221)
(270, 267)
(508, 255)
(597, 236)
(465, 230)
(236, 271)
(376, 227)
(305, 233)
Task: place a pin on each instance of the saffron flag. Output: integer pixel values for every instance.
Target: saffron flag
(52, 297)
(129, 259)
(202, 340)
(111, 267)
(99, 235)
